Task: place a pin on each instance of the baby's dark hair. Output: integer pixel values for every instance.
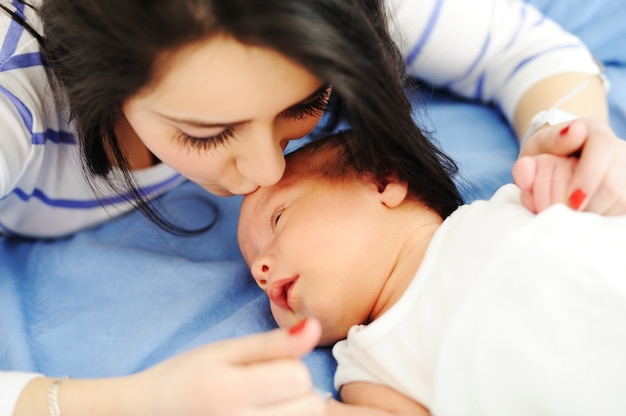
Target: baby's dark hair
(435, 188)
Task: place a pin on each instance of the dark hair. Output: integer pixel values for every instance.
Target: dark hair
(341, 165)
(103, 52)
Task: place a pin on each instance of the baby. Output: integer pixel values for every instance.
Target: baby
(492, 310)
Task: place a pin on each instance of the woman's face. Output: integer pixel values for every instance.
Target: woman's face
(223, 113)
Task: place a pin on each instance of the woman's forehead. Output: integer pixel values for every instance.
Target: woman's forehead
(230, 80)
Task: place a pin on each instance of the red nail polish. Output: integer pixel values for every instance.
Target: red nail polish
(297, 328)
(576, 198)
(564, 131)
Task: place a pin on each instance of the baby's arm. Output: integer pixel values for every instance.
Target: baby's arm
(369, 399)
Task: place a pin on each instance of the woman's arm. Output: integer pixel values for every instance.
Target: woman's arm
(494, 51)
(508, 53)
(587, 99)
(240, 376)
(369, 399)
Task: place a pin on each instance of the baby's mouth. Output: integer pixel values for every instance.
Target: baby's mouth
(278, 292)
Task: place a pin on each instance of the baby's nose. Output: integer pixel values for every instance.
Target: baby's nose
(260, 271)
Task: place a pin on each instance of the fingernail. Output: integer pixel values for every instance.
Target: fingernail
(576, 198)
(297, 328)
(564, 131)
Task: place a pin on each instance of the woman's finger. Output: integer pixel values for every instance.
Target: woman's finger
(276, 344)
(610, 196)
(594, 169)
(560, 140)
(310, 404)
(563, 172)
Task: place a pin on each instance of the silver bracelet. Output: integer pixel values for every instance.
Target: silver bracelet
(53, 397)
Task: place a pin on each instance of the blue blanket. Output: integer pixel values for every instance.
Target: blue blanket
(116, 299)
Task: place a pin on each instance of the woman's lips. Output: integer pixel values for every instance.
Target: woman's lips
(278, 292)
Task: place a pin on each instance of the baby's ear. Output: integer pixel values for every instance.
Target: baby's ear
(392, 191)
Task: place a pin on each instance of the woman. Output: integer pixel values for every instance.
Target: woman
(215, 90)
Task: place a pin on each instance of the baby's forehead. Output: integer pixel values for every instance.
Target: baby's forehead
(256, 203)
(300, 165)
(312, 158)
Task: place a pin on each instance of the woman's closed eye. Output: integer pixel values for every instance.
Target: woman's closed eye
(209, 142)
(314, 107)
(311, 108)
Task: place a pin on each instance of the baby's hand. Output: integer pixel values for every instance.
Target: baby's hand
(593, 180)
(543, 179)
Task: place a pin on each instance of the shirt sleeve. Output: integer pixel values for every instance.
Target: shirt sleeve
(11, 385)
(15, 141)
(489, 50)
(348, 367)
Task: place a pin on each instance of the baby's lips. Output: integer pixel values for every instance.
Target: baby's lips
(278, 292)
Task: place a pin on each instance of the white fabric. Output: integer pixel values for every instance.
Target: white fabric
(42, 188)
(509, 314)
(11, 385)
(491, 50)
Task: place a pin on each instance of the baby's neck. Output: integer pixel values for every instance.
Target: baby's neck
(420, 226)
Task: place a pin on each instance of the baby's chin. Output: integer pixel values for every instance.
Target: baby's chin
(328, 340)
(332, 333)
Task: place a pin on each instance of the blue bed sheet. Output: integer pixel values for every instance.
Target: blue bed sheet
(121, 297)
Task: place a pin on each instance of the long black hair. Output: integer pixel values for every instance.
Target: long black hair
(104, 52)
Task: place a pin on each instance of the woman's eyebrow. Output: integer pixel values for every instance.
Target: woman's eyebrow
(208, 124)
(201, 123)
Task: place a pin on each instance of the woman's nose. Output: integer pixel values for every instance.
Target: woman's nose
(263, 161)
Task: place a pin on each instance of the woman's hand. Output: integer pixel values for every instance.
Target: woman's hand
(581, 163)
(255, 375)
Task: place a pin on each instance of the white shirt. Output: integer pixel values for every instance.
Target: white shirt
(510, 313)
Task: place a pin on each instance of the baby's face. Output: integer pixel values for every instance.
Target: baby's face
(312, 246)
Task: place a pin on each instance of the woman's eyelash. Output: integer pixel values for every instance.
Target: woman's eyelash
(206, 143)
(312, 108)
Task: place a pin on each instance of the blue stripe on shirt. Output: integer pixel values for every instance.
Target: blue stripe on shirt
(12, 37)
(24, 112)
(432, 21)
(92, 203)
(532, 57)
(22, 61)
(27, 118)
(520, 23)
(54, 137)
(473, 65)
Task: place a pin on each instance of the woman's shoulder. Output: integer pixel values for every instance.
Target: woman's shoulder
(25, 85)
(23, 76)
